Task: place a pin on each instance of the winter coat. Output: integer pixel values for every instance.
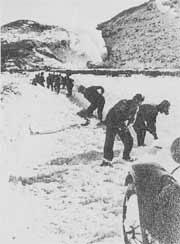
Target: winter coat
(146, 118)
(92, 95)
(124, 110)
(69, 82)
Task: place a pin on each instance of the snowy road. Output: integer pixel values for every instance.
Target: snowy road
(57, 192)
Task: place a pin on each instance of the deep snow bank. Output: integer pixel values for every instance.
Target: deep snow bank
(66, 197)
(155, 90)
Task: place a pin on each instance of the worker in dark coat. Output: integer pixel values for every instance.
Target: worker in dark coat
(49, 81)
(57, 83)
(94, 95)
(35, 80)
(41, 79)
(146, 120)
(63, 82)
(117, 122)
(69, 84)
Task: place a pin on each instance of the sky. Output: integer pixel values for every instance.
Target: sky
(78, 14)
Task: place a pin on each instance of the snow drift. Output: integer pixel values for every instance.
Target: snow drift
(29, 45)
(52, 187)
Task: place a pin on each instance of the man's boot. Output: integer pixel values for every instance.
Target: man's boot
(106, 163)
(129, 159)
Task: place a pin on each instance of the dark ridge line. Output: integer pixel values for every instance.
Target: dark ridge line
(124, 12)
(19, 22)
(108, 72)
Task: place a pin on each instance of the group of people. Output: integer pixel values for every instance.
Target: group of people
(55, 82)
(124, 115)
(39, 79)
(120, 118)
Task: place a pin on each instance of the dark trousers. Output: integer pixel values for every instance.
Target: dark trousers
(50, 85)
(140, 132)
(57, 88)
(41, 83)
(99, 105)
(126, 138)
(63, 84)
(69, 90)
(140, 136)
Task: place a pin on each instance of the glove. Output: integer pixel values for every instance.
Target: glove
(155, 137)
(82, 113)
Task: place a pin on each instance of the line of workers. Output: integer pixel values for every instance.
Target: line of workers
(55, 82)
(119, 119)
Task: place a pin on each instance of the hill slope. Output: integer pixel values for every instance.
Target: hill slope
(57, 192)
(27, 44)
(145, 36)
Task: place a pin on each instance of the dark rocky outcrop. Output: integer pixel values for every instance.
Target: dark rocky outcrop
(28, 45)
(144, 37)
(26, 25)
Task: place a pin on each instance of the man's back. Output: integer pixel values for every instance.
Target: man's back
(147, 112)
(69, 82)
(122, 111)
(91, 94)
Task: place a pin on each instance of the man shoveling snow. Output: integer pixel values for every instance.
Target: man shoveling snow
(96, 99)
(117, 121)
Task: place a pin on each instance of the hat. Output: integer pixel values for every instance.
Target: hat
(165, 103)
(163, 107)
(139, 97)
(81, 88)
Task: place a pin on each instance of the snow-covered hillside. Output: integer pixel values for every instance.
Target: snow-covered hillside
(57, 192)
(144, 37)
(65, 48)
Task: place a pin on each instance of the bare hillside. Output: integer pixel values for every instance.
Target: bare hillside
(145, 36)
(26, 44)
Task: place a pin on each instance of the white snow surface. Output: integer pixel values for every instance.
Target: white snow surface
(70, 198)
(82, 42)
(169, 6)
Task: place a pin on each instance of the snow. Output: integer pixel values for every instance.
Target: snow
(52, 187)
(88, 43)
(170, 6)
(50, 62)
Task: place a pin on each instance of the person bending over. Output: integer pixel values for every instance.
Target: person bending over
(117, 121)
(94, 94)
(146, 120)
